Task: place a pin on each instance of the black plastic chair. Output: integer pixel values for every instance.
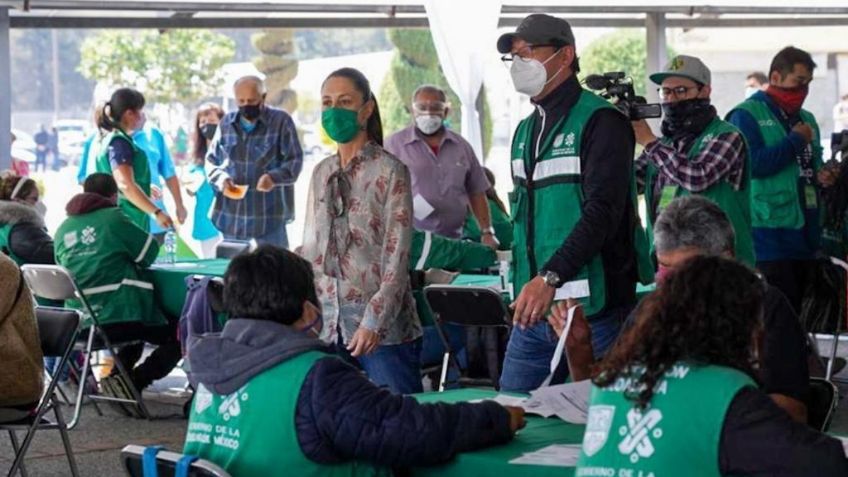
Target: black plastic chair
(54, 282)
(821, 404)
(57, 328)
(231, 248)
(467, 307)
(132, 458)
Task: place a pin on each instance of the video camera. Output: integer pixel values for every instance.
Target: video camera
(615, 85)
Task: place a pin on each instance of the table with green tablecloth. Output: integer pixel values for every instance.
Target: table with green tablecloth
(169, 280)
(538, 433)
(494, 281)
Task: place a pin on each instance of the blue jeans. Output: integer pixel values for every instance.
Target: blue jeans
(396, 367)
(529, 352)
(277, 237)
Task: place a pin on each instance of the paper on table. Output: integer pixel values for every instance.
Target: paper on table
(569, 402)
(421, 208)
(558, 455)
(505, 400)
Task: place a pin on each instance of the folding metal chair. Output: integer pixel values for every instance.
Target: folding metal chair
(231, 248)
(57, 328)
(168, 464)
(839, 331)
(465, 306)
(55, 282)
(821, 404)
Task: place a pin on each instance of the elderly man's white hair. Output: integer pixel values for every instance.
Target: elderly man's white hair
(694, 221)
(251, 79)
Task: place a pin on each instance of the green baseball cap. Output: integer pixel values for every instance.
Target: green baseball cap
(684, 66)
(538, 29)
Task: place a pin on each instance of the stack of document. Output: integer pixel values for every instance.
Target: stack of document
(558, 455)
(569, 402)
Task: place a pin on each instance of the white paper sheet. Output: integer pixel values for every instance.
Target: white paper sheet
(844, 441)
(569, 402)
(421, 208)
(557, 455)
(560, 347)
(505, 400)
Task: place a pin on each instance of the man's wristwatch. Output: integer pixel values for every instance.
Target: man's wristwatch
(551, 279)
(488, 230)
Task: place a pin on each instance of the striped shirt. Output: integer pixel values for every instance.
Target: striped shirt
(272, 147)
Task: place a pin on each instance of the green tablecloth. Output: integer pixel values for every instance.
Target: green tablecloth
(495, 282)
(494, 461)
(169, 280)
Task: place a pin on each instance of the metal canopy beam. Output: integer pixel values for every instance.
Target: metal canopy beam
(185, 19)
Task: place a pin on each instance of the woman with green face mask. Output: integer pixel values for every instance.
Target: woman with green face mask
(357, 236)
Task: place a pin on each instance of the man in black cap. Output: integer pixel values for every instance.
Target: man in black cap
(572, 206)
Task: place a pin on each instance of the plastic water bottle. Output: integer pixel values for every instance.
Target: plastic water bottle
(504, 261)
(170, 247)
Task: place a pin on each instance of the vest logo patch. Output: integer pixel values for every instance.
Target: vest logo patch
(70, 239)
(202, 399)
(558, 140)
(231, 405)
(767, 123)
(569, 140)
(707, 138)
(89, 236)
(638, 432)
(597, 428)
(521, 146)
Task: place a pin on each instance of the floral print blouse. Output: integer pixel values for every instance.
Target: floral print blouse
(357, 236)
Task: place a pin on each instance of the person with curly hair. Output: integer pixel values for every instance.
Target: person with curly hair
(677, 393)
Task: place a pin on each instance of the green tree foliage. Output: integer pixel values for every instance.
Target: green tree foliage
(174, 65)
(415, 63)
(278, 61)
(622, 50)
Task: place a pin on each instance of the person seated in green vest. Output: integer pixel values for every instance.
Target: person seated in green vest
(107, 253)
(23, 235)
(691, 226)
(119, 156)
(677, 395)
(271, 401)
(698, 153)
(787, 174)
(497, 211)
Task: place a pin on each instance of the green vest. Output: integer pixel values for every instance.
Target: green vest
(251, 432)
(500, 222)
(5, 231)
(141, 175)
(107, 254)
(775, 200)
(543, 218)
(734, 203)
(677, 434)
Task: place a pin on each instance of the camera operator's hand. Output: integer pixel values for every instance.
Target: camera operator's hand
(644, 135)
(804, 130)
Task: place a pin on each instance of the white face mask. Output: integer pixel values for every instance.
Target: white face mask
(428, 123)
(529, 76)
(40, 208)
(749, 91)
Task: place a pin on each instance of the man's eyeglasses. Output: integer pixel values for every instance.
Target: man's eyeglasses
(677, 92)
(430, 107)
(523, 52)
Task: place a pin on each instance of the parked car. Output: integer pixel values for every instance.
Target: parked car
(72, 136)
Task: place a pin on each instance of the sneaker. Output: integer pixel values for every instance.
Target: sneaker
(122, 390)
(108, 389)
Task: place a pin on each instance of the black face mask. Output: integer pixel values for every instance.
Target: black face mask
(250, 111)
(690, 116)
(208, 130)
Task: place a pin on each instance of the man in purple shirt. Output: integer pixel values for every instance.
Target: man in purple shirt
(447, 179)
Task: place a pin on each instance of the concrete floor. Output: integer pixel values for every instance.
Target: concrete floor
(98, 440)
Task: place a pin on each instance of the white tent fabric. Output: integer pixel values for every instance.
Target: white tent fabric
(463, 31)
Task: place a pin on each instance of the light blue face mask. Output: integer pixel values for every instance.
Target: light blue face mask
(246, 125)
